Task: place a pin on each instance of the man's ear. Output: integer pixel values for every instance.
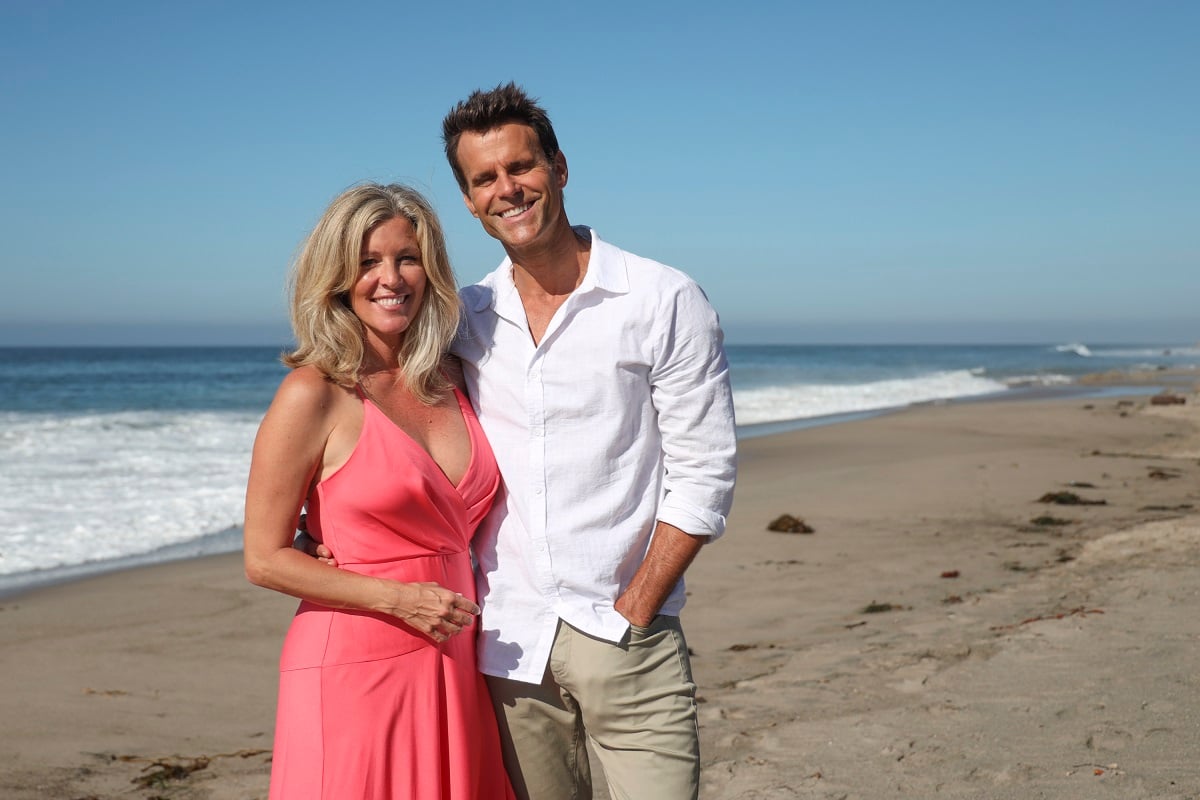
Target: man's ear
(560, 168)
(470, 206)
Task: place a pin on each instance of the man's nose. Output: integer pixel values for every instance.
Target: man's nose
(505, 184)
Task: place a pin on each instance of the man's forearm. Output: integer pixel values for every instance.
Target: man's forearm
(671, 552)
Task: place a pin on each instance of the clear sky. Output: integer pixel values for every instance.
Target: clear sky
(836, 171)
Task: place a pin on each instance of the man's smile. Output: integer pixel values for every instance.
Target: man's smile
(512, 212)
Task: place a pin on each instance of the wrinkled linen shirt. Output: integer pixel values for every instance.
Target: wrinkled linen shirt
(621, 416)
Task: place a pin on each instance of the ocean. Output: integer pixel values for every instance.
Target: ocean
(112, 457)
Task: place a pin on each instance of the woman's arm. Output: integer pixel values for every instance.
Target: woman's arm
(289, 452)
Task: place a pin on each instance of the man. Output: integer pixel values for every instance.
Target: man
(602, 384)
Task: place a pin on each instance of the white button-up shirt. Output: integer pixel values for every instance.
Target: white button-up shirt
(621, 416)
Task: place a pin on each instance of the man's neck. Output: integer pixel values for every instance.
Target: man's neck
(545, 279)
(554, 270)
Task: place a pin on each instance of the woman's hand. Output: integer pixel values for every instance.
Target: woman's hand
(434, 610)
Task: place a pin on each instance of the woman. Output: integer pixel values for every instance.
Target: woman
(379, 696)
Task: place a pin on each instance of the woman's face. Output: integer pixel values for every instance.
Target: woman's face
(391, 282)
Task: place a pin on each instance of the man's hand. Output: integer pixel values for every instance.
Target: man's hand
(310, 546)
(642, 617)
(671, 551)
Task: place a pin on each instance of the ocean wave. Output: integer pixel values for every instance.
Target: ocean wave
(1046, 379)
(92, 487)
(1076, 348)
(806, 400)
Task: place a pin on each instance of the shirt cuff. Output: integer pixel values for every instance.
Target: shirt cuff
(691, 518)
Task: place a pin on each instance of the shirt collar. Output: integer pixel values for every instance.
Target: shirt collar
(606, 271)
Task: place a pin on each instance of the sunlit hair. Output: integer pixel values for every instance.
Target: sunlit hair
(485, 111)
(329, 335)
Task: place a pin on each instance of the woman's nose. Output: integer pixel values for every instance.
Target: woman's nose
(391, 275)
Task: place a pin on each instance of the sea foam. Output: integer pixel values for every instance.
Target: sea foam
(93, 487)
(805, 400)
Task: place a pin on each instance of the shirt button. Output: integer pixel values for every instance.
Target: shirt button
(538, 490)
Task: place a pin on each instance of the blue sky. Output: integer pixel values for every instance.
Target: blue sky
(858, 171)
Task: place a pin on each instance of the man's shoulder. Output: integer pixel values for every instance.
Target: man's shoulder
(480, 296)
(476, 296)
(647, 274)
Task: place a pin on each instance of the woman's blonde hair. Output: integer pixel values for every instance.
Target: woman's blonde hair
(328, 334)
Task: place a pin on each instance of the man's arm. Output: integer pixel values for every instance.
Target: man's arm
(690, 389)
(670, 554)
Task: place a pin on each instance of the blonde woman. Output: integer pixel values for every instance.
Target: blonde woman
(379, 693)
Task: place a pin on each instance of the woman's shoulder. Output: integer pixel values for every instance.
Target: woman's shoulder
(306, 391)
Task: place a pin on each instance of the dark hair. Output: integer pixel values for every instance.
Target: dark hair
(485, 111)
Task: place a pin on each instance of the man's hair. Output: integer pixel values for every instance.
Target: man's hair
(329, 335)
(485, 111)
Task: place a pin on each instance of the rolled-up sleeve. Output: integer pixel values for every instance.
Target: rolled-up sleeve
(691, 392)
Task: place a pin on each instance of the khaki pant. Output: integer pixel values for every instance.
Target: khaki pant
(636, 702)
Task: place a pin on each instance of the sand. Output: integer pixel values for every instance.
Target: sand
(927, 640)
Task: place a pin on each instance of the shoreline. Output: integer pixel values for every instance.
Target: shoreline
(1098, 389)
(835, 664)
(224, 542)
(1095, 386)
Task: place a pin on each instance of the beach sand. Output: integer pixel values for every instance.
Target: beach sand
(927, 640)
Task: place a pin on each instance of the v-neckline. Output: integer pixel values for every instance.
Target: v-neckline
(460, 399)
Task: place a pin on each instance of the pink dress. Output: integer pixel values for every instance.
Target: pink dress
(369, 708)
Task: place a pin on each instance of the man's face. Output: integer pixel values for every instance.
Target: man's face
(512, 188)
